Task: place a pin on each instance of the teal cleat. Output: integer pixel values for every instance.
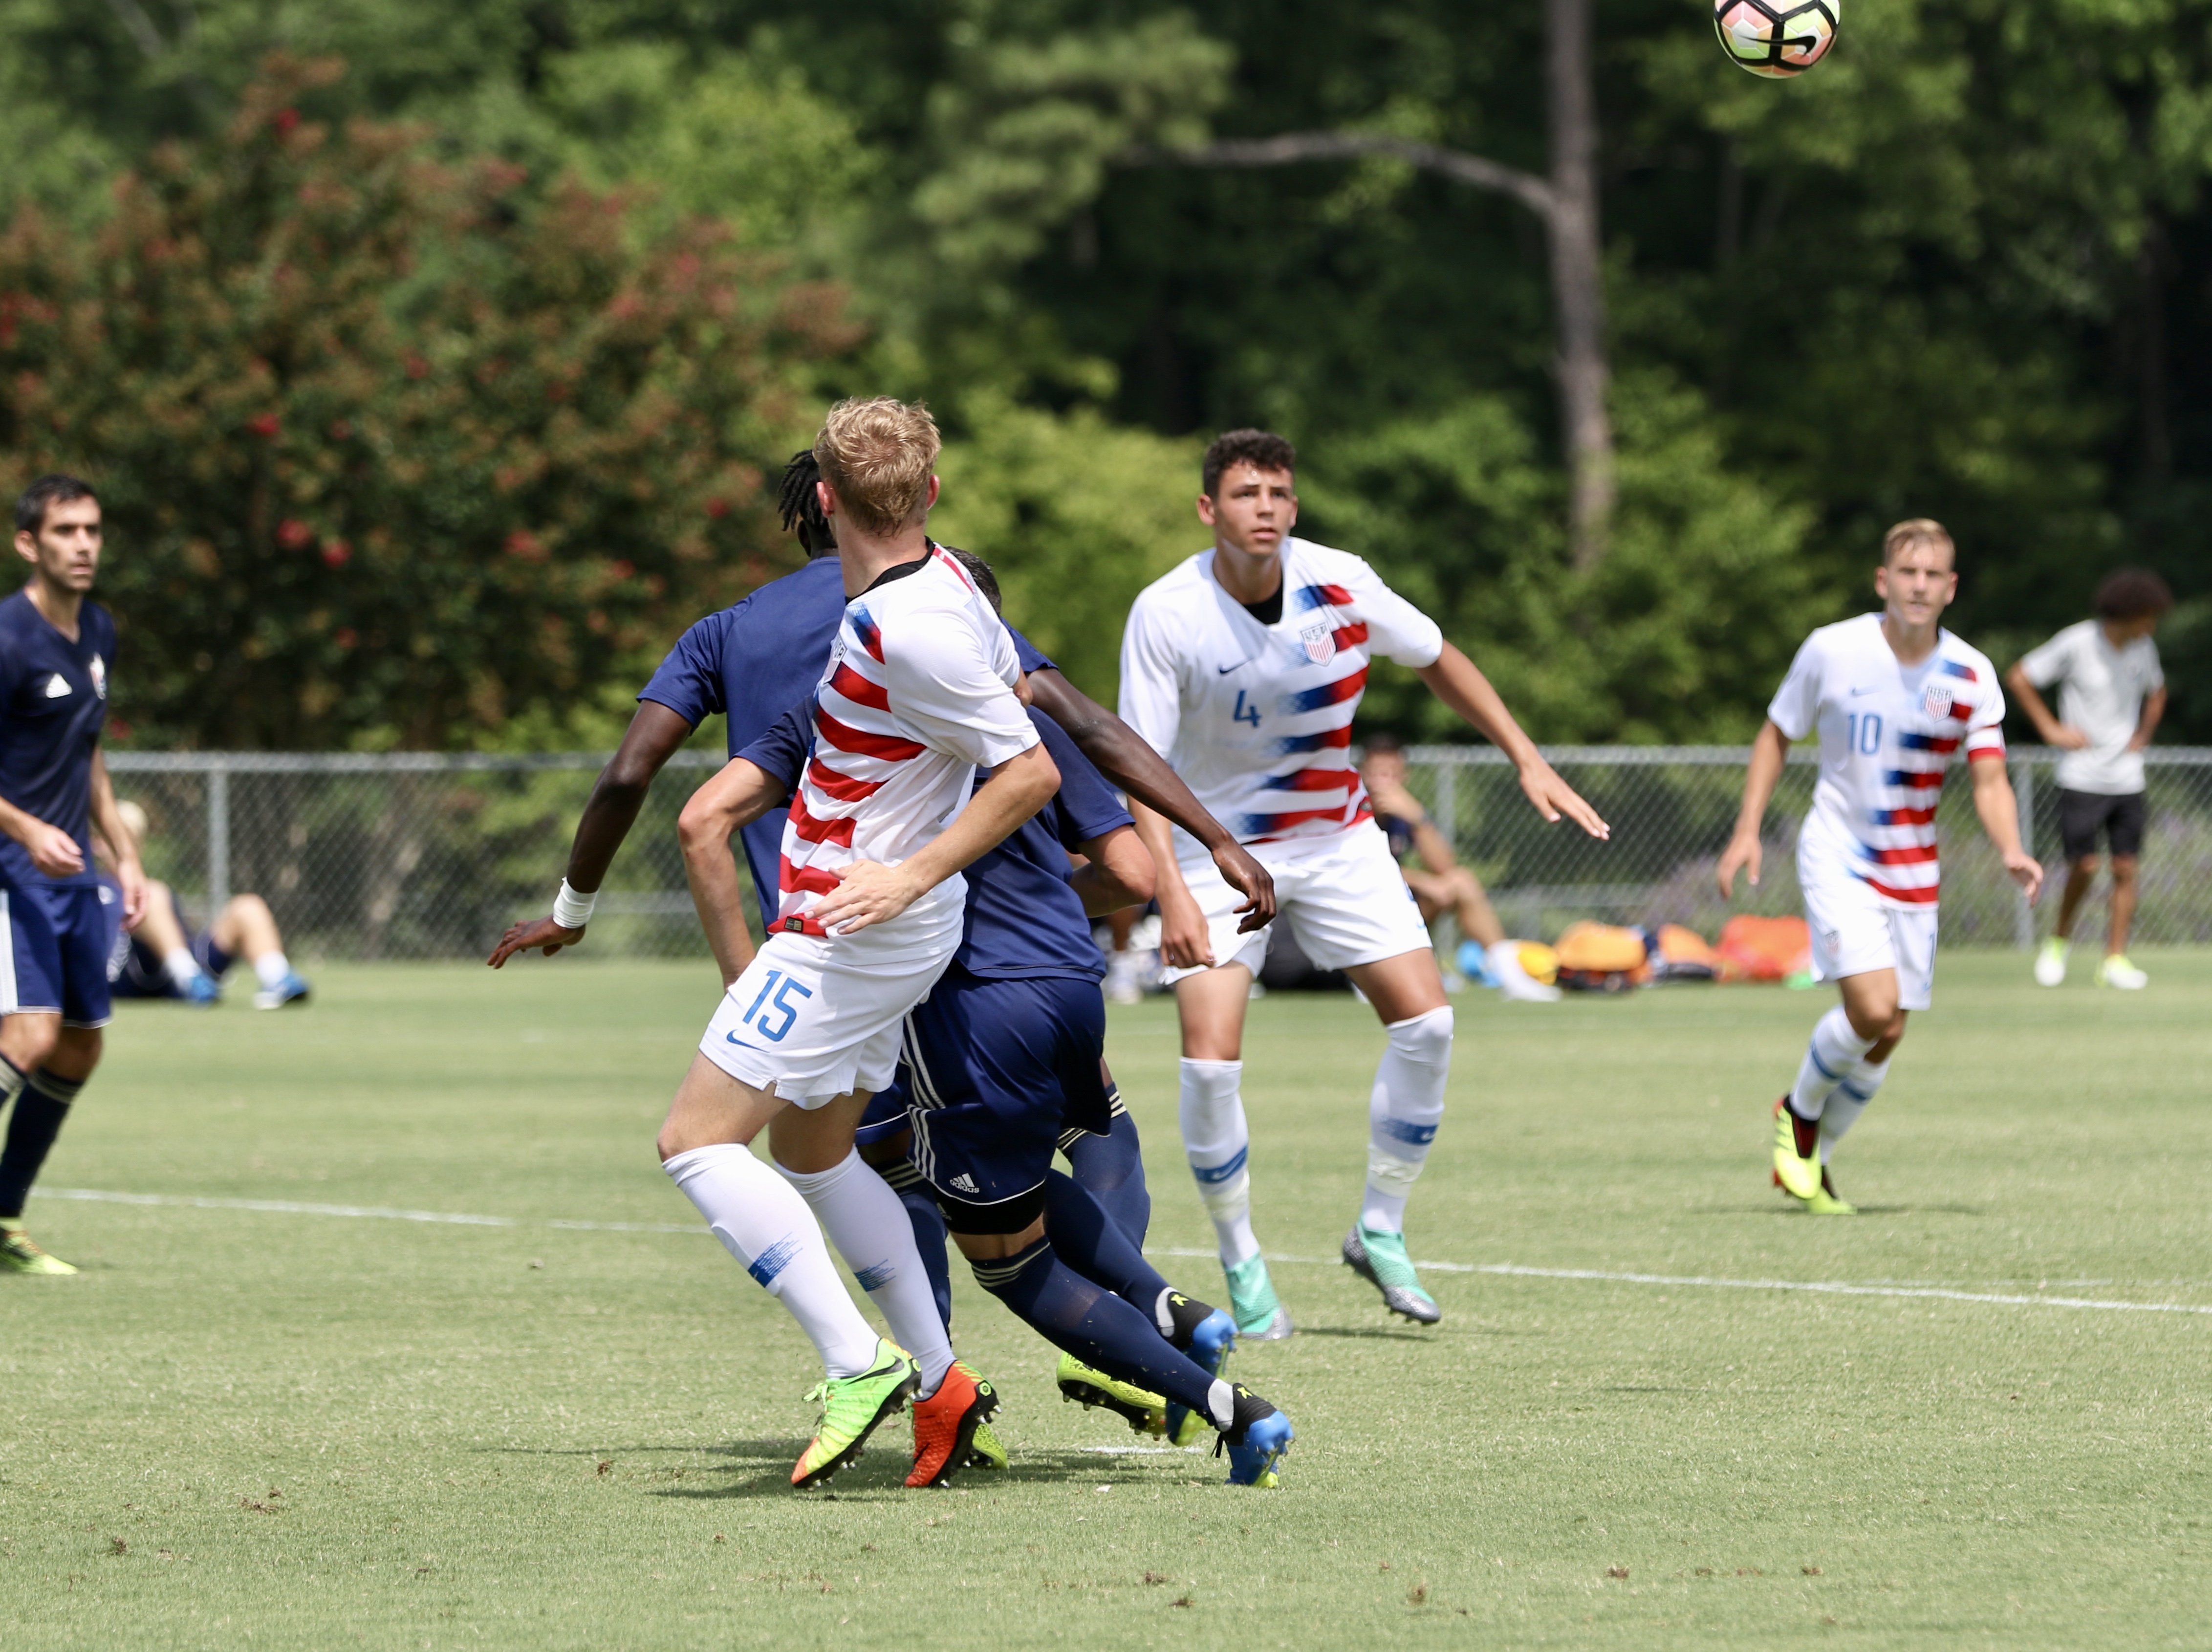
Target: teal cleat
(1380, 1259)
(1253, 1303)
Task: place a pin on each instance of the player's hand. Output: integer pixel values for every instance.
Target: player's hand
(869, 893)
(1554, 797)
(55, 852)
(1186, 938)
(2067, 738)
(1391, 798)
(2026, 871)
(1247, 875)
(132, 877)
(1743, 853)
(542, 934)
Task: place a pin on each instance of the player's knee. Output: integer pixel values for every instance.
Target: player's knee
(1876, 1015)
(76, 1051)
(2124, 868)
(31, 1040)
(1424, 1038)
(249, 907)
(1462, 884)
(2084, 866)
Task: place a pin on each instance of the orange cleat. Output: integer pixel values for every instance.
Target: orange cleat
(945, 1425)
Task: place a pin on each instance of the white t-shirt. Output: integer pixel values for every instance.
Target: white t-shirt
(2102, 692)
(1888, 734)
(1257, 719)
(918, 693)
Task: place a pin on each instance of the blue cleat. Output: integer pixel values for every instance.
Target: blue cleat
(203, 990)
(1211, 1344)
(293, 989)
(1472, 960)
(1257, 1443)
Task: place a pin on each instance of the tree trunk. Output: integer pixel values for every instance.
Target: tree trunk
(1577, 280)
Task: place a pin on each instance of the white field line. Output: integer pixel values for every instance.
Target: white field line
(1682, 1281)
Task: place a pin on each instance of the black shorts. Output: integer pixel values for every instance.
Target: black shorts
(2082, 814)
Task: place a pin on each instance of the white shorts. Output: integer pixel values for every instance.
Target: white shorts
(1855, 930)
(1343, 897)
(815, 1017)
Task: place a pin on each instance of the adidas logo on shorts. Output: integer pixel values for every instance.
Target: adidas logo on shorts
(964, 1183)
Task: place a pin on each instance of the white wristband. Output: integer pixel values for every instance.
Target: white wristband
(572, 910)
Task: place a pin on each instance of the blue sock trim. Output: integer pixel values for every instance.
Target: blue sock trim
(1211, 1174)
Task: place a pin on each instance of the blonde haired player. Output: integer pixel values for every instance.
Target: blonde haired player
(1245, 666)
(1893, 698)
(919, 692)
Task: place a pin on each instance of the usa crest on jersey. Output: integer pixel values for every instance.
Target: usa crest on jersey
(99, 677)
(1320, 643)
(1937, 700)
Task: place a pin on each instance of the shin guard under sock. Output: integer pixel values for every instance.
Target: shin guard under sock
(869, 1226)
(1849, 1101)
(42, 1102)
(1111, 1169)
(1403, 1112)
(929, 1232)
(1217, 1142)
(1832, 1048)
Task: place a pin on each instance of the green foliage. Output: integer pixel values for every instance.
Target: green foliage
(392, 449)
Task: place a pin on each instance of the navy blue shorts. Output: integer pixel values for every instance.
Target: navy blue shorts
(992, 1073)
(134, 971)
(53, 953)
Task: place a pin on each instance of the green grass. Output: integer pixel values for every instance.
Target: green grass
(244, 1427)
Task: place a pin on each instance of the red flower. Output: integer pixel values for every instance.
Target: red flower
(337, 554)
(267, 425)
(292, 534)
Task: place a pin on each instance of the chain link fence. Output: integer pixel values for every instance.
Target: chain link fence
(420, 855)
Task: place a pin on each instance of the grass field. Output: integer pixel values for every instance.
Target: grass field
(275, 1427)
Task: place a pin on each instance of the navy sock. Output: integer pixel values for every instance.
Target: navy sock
(1112, 1170)
(1096, 1325)
(1092, 1243)
(40, 1106)
(929, 1233)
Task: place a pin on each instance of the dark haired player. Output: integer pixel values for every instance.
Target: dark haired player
(1245, 666)
(57, 660)
(2112, 695)
(1004, 1054)
(1893, 698)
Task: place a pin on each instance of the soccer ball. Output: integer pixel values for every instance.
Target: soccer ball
(1776, 38)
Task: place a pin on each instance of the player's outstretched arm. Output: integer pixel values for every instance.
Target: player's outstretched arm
(738, 793)
(1454, 680)
(1127, 759)
(1743, 853)
(1119, 872)
(2000, 811)
(873, 893)
(652, 738)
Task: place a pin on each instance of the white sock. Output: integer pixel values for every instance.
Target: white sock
(1215, 1141)
(271, 968)
(179, 966)
(1402, 1114)
(1833, 1050)
(1850, 1100)
(870, 1228)
(768, 1229)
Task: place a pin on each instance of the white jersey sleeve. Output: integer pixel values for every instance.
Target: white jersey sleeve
(2053, 661)
(953, 685)
(1395, 628)
(1796, 707)
(1985, 723)
(1153, 661)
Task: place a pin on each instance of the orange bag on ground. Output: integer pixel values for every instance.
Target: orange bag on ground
(1603, 958)
(1766, 948)
(1681, 954)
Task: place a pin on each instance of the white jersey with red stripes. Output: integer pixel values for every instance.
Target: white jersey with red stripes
(918, 693)
(1257, 719)
(1888, 734)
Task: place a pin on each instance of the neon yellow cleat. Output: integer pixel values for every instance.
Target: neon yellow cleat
(985, 1450)
(1797, 1176)
(2115, 970)
(1826, 1201)
(1143, 1410)
(852, 1406)
(20, 1254)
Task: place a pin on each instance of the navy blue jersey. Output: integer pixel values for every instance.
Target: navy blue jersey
(53, 703)
(756, 660)
(1025, 918)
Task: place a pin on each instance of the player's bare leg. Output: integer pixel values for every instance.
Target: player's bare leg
(47, 1065)
(1845, 1063)
(1404, 1111)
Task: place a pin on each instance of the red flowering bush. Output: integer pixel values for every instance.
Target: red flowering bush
(391, 445)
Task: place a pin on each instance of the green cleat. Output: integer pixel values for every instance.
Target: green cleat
(1143, 1410)
(18, 1253)
(1253, 1304)
(1796, 1173)
(985, 1450)
(1826, 1201)
(1380, 1258)
(852, 1408)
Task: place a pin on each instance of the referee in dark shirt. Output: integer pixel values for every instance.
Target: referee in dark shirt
(57, 660)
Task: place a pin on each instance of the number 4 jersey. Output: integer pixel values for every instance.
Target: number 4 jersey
(1256, 717)
(1888, 734)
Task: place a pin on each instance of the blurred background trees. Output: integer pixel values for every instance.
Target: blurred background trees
(1960, 270)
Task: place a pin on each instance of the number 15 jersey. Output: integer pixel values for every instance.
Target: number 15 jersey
(1889, 733)
(1257, 719)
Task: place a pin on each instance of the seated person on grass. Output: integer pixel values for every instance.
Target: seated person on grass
(164, 958)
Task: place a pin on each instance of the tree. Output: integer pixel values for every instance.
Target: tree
(394, 447)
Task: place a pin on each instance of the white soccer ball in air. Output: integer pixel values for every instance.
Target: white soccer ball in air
(1776, 38)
